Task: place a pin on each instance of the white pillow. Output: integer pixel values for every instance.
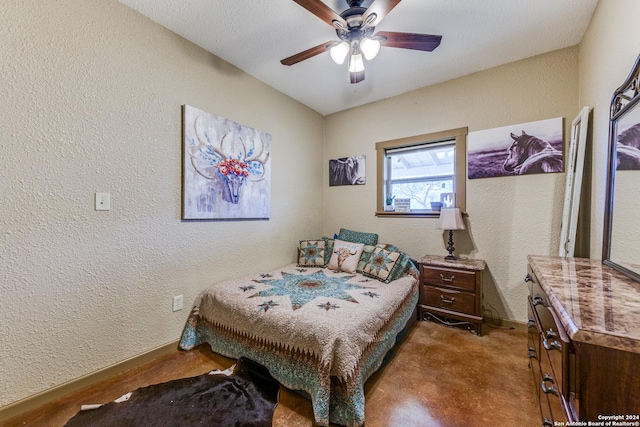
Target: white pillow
(345, 256)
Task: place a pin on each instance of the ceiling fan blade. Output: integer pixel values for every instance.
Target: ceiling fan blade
(426, 42)
(381, 8)
(309, 53)
(323, 12)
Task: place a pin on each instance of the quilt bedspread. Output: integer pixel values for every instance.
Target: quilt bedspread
(316, 330)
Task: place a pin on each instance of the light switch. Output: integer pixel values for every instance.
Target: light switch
(103, 201)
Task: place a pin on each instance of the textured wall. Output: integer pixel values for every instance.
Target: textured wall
(91, 98)
(509, 217)
(607, 52)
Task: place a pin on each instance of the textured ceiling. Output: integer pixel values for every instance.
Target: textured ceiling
(254, 35)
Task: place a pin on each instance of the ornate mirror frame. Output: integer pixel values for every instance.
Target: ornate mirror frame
(624, 101)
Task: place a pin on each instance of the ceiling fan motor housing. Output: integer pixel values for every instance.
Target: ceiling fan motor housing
(355, 29)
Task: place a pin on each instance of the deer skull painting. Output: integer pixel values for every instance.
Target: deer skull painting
(229, 154)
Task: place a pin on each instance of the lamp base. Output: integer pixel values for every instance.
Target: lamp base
(450, 248)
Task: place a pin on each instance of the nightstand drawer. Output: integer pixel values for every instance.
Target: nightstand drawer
(449, 277)
(449, 299)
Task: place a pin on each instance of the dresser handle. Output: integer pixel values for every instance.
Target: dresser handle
(537, 300)
(554, 345)
(550, 333)
(531, 323)
(548, 390)
(447, 301)
(531, 354)
(448, 280)
(528, 278)
(546, 422)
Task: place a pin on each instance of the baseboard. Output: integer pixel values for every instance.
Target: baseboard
(32, 402)
(497, 323)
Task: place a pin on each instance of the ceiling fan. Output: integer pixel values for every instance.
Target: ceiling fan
(355, 28)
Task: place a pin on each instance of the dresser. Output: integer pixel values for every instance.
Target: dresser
(451, 291)
(584, 341)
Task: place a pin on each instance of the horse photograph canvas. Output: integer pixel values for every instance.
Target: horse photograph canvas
(628, 141)
(226, 168)
(526, 148)
(347, 171)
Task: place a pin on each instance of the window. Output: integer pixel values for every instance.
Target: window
(421, 168)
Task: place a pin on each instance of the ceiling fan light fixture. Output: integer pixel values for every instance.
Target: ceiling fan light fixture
(339, 52)
(370, 47)
(356, 63)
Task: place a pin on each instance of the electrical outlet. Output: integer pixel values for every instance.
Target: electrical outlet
(178, 302)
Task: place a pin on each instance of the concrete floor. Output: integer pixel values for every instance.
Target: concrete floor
(439, 377)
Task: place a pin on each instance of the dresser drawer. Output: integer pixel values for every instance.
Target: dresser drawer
(449, 299)
(538, 296)
(554, 344)
(459, 279)
(550, 388)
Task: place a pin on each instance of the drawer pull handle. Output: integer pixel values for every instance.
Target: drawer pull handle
(447, 301)
(546, 422)
(537, 300)
(531, 354)
(553, 345)
(531, 323)
(447, 279)
(528, 278)
(550, 333)
(551, 389)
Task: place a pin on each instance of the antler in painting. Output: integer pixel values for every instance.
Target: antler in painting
(227, 158)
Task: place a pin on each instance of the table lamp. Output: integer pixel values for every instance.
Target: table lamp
(451, 219)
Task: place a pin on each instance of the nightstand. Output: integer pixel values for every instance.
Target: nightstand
(451, 291)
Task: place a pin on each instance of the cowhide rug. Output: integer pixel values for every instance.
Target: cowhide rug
(247, 397)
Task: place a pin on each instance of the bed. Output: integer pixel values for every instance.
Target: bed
(319, 330)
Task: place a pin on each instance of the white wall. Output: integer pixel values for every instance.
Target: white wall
(91, 101)
(607, 52)
(509, 217)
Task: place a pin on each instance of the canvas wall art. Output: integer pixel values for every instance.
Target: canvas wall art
(226, 168)
(526, 148)
(347, 171)
(628, 141)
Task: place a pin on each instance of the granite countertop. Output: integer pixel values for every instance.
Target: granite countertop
(596, 304)
(439, 261)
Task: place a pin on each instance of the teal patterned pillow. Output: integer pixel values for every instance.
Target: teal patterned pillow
(389, 247)
(358, 237)
(381, 264)
(328, 245)
(364, 258)
(311, 253)
(368, 251)
(403, 266)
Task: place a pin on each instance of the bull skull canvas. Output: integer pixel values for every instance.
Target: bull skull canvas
(226, 168)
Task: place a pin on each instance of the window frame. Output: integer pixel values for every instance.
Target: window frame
(460, 176)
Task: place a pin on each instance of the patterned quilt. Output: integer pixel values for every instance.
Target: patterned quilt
(316, 330)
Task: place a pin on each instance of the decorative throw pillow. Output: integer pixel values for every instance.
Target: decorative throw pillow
(388, 246)
(358, 237)
(403, 266)
(345, 256)
(328, 249)
(368, 251)
(311, 253)
(381, 264)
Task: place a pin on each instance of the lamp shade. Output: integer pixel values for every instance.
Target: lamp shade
(370, 48)
(339, 52)
(356, 64)
(451, 219)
